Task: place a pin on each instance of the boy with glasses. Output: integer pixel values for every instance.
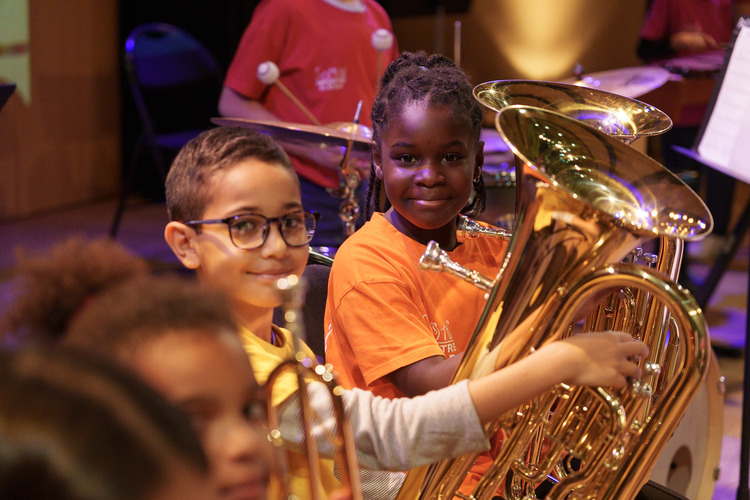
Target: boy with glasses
(237, 219)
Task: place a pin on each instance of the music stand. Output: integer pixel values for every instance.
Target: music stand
(721, 143)
(6, 89)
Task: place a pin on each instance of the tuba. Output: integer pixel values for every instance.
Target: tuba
(585, 201)
(340, 440)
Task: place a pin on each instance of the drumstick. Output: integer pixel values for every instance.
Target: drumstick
(457, 43)
(268, 73)
(382, 40)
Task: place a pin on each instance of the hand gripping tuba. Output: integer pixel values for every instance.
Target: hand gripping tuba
(585, 202)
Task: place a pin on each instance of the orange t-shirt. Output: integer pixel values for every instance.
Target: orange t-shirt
(384, 313)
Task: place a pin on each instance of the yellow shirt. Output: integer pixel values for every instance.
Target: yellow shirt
(265, 357)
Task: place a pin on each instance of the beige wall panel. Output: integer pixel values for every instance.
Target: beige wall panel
(535, 39)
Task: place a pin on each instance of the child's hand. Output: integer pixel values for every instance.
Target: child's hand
(601, 358)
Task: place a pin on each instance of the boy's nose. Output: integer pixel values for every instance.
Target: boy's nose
(275, 242)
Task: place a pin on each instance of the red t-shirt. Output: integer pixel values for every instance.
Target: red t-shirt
(666, 17)
(325, 58)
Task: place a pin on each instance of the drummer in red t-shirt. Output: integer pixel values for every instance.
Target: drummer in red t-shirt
(327, 58)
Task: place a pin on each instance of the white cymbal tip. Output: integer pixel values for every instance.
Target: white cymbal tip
(268, 72)
(382, 39)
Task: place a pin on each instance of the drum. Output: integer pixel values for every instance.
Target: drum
(703, 65)
(631, 82)
(689, 463)
(690, 89)
(499, 175)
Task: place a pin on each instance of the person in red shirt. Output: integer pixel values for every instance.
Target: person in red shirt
(672, 32)
(326, 58)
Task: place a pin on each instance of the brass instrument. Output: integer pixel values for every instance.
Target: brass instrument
(292, 290)
(616, 115)
(468, 228)
(585, 201)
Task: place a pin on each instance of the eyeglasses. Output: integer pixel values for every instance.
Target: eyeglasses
(249, 231)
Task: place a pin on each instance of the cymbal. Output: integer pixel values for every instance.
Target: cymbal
(322, 144)
(613, 114)
(631, 82)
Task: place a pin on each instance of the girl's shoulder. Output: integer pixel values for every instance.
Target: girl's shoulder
(376, 234)
(375, 251)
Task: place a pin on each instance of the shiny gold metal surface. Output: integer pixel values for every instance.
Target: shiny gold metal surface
(585, 202)
(614, 114)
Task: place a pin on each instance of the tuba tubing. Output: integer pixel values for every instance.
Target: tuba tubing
(634, 468)
(585, 201)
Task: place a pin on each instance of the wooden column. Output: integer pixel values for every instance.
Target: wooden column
(60, 143)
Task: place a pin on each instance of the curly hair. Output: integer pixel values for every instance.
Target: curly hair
(75, 426)
(129, 315)
(53, 286)
(416, 76)
(188, 183)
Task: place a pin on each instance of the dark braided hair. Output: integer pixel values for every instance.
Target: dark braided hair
(415, 76)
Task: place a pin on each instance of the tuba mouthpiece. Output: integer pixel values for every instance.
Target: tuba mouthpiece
(436, 259)
(471, 228)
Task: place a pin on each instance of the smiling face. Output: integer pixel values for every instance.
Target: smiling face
(208, 376)
(249, 276)
(427, 160)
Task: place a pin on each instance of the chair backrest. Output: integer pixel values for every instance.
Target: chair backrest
(174, 78)
(313, 310)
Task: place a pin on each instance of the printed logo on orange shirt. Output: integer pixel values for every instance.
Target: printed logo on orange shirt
(443, 336)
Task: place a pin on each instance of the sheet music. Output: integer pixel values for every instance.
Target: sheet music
(725, 142)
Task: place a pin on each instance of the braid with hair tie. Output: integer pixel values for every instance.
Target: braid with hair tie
(415, 76)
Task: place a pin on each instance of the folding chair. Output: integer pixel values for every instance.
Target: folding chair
(175, 82)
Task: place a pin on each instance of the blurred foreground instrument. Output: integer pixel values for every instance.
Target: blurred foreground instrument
(304, 371)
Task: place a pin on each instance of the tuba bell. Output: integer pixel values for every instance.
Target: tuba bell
(585, 200)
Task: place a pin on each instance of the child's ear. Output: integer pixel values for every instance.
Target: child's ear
(479, 160)
(376, 162)
(181, 239)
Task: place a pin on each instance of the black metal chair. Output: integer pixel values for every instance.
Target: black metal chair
(175, 82)
(313, 310)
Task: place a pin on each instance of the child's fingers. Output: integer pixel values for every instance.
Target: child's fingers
(631, 346)
(631, 369)
(635, 348)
